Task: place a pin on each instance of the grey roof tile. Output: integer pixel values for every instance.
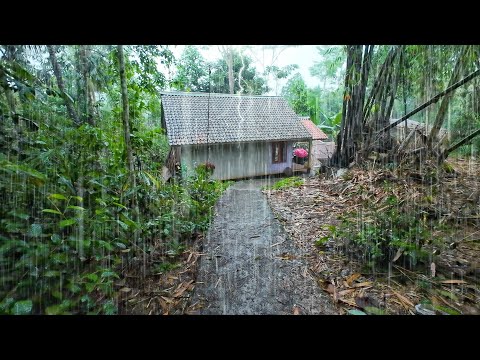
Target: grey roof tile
(194, 118)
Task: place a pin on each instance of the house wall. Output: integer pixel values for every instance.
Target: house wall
(321, 150)
(236, 161)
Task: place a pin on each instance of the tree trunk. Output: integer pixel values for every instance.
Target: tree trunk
(231, 82)
(126, 130)
(61, 86)
(350, 137)
(457, 71)
(85, 91)
(227, 53)
(460, 143)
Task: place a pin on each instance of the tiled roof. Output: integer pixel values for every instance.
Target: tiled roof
(313, 129)
(228, 118)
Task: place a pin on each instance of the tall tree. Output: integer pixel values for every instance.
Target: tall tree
(351, 135)
(126, 126)
(247, 80)
(440, 117)
(280, 73)
(61, 85)
(192, 71)
(227, 53)
(296, 93)
(86, 93)
(329, 68)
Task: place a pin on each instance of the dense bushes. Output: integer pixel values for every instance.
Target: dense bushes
(68, 221)
(66, 227)
(385, 230)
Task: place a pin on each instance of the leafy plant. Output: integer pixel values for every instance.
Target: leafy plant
(286, 183)
(384, 231)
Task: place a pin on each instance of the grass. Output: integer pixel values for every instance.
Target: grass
(286, 183)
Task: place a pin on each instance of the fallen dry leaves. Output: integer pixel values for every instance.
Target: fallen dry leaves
(166, 293)
(307, 212)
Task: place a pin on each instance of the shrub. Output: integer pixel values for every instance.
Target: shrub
(286, 183)
(384, 232)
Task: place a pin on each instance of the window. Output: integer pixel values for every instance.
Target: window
(279, 152)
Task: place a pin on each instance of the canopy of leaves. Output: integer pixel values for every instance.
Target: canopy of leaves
(247, 80)
(192, 71)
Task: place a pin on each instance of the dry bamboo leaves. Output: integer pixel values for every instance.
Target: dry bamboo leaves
(453, 282)
(167, 293)
(407, 303)
(307, 210)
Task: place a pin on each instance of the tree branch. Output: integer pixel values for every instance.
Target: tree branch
(432, 100)
(461, 142)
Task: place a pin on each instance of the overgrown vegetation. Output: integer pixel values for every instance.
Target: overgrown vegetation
(68, 228)
(382, 232)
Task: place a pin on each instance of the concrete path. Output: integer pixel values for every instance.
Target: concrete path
(250, 266)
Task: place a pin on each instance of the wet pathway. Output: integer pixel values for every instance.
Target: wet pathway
(250, 266)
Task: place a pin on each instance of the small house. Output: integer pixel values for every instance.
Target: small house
(401, 131)
(242, 136)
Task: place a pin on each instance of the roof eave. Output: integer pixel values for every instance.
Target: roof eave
(244, 142)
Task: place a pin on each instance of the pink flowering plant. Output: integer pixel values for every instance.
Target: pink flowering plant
(300, 153)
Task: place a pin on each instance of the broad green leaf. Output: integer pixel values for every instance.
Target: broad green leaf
(79, 198)
(20, 72)
(52, 211)
(24, 169)
(56, 239)
(109, 274)
(19, 215)
(57, 196)
(371, 310)
(120, 205)
(67, 222)
(105, 244)
(128, 221)
(109, 308)
(74, 288)
(75, 207)
(93, 277)
(122, 224)
(54, 310)
(51, 273)
(152, 178)
(22, 307)
(101, 202)
(35, 230)
(57, 294)
(5, 304)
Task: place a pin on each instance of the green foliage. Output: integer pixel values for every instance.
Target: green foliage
(246, 78)
(165, 267)
(385, 231)
(66, 220)
(286, 183)
(192, 71)
(330, 67)
(295, 91)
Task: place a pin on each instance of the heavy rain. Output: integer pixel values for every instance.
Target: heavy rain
(235, 180)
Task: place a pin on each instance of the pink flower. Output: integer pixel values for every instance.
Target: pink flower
(301, 153)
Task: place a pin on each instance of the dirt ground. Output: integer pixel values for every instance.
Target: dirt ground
(249, 265)
(261, 253)
(307, 212)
